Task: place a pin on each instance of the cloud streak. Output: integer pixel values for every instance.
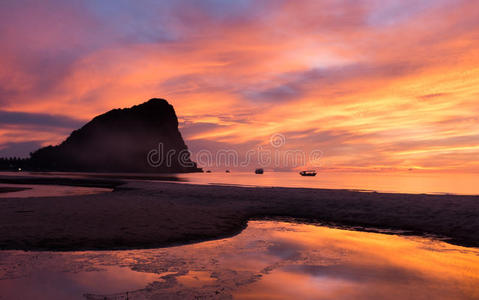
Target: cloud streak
(40, 119)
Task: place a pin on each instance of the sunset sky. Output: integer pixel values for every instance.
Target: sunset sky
(374, 85)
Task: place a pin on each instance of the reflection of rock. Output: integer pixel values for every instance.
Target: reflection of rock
(120, 141)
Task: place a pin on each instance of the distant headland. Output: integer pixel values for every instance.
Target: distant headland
(120, 140)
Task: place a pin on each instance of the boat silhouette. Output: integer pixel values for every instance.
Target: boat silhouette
(308, 173)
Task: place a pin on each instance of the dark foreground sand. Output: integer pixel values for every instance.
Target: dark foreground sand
(142, 214)
(9, 189)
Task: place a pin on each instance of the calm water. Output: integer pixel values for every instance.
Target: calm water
(269, 260)
(410, 182)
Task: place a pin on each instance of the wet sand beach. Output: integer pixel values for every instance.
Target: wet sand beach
(147, 214)
(8, 189)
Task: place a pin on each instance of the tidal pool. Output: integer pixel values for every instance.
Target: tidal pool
(43, 190)
(268, 260)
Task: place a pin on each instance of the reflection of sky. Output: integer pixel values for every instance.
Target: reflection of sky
(269, 259)
(376, 84)
(401, 182)
(66, 286)
(39, 190)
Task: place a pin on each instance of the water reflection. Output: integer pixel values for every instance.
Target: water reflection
(269, 260)
(410, 182)
(38, 190)
(395, 182)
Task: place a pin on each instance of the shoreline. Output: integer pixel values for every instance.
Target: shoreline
(145, 214)
(392, 183)
(11, 189)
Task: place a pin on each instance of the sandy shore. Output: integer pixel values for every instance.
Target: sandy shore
(142, 214)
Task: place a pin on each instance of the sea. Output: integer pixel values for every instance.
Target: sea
(387, 182)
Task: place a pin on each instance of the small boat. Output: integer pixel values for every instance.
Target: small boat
(227, 171)
(259, 171)
(308, 173)
(209, 171)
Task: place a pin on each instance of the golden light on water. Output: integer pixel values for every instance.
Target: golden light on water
(269, 260)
